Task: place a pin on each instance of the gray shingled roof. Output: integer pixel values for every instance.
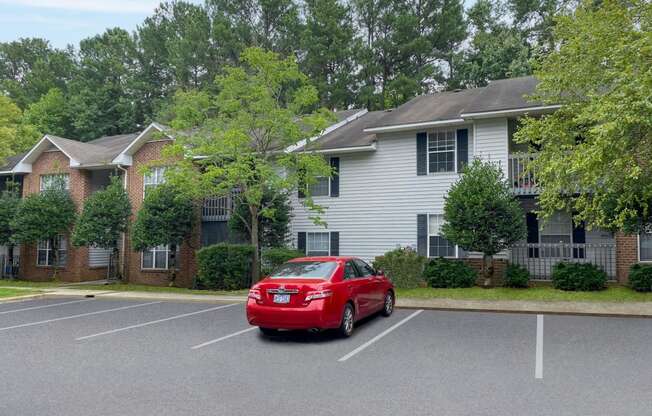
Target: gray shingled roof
(11, 162)
(351, 134)
(505, 94)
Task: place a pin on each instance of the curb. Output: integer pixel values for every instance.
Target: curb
(22, 297)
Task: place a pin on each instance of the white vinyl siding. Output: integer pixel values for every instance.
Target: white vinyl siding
(380, 197)
(491, 141)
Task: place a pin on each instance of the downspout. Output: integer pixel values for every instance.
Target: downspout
(123, 252)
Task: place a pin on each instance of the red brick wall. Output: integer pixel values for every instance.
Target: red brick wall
(76, 268)
(187, 265)
(626, 255)
(499, 269)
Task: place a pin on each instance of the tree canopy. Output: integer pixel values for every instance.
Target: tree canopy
(596, 149)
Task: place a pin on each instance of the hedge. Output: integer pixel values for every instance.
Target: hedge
(225, 266)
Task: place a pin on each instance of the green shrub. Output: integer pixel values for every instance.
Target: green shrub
(225, 266)
(403, 266)
(274, 257)
(516, 276)
(448, 273)
(578, 276)
(640, 278)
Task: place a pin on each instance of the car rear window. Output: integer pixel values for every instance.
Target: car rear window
(305, 269)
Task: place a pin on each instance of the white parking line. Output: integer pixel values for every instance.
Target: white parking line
(379, 336)
(235, 334)
(47, 321)
(44, 306)
(538, 366)
(113, 331)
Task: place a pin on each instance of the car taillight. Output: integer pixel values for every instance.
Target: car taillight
(318, 294)
(255, 294)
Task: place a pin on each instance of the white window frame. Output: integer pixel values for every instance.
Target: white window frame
(153, 178)
(457, 251)
(454, 152)
(48, 252)
(155, 250)
(43, 185)
(328, 237)
(638, 249)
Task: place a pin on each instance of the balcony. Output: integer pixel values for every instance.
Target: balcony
(217, 209)
(522, 180)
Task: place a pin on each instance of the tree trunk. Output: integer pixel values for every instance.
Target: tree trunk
(172, 264)
(487, 270)
(255, 266)
(10, 266)
(54, 248)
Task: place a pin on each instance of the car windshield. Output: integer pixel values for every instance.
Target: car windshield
(305, 269)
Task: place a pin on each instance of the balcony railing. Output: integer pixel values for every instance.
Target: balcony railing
(539, 259)
(9, 269)
(522, 180)
(217, 209)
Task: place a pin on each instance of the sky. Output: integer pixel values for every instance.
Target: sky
(65, 22)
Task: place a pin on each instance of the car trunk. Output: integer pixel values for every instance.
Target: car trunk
(275, 292)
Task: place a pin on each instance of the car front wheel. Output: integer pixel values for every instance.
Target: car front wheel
(346, 327)
(388, 304)
(268, 331)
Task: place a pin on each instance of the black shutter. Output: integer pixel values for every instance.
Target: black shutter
(422, 154)
(462, 148)
(422, 234)
(579, 237)
(532, 233)
(301, 242)
(335, 179)
(335, 243)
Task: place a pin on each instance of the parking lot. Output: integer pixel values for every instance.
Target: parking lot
(113, 357)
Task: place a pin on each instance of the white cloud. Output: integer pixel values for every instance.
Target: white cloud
(102, 6)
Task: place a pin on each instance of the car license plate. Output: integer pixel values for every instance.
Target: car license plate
(281, 298)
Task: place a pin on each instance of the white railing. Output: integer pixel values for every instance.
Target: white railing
(522, 180)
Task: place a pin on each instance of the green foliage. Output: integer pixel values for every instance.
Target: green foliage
(225, 266)
(274, 227)
(9, 203)
(516, 276)
(447, 273)
(640, 278)
(578, 276)
(276, 256)
(599, 143)
(15, 134)
(44, 216)
(403, 266)
(50, 114)
(166, 217)
(104, 218)
(480, 211)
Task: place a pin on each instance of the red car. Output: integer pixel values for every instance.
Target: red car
(318, 293)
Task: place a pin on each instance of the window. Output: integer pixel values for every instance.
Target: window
(158, 258)
(56, 181)
(364, 268)
(153, 178)
(558, 230)
(349, 271)
(441, 151)
(645, 246)
(45, 255)
(321, 187)
(438, 246)
(317, 244)
(305, 269)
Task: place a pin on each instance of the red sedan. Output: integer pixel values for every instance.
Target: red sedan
(318, 293)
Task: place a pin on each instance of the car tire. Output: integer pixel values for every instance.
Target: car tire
(348, 319)
(270, 332)
(388, 304)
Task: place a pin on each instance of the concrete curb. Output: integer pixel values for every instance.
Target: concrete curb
(22, 297)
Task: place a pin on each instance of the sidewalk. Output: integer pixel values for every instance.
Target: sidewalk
(631, 309)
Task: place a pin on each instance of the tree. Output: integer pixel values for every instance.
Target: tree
(50, 114)
(482, 215)
(104, 218)
(45, 216)
(274, 229)
(16, 135)
(596, 149)
(264, 107)
(9, 203)
(165, 219)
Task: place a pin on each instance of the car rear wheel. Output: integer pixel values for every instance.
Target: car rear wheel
(268, 331)
(348, 319)
(388, 304)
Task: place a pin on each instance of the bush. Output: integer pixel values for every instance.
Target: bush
(578, 276)
(447, 273)
(225, 266)
(640, 278)
(516, 276)
(403, 266)
(274, 257)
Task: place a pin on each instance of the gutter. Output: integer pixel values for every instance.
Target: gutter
(513, 111)
(412, 126)
(355, 149)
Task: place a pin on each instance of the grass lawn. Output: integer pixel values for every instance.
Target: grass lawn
(546, 294)
(28, 284)
(125, 287)
(7, 293)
